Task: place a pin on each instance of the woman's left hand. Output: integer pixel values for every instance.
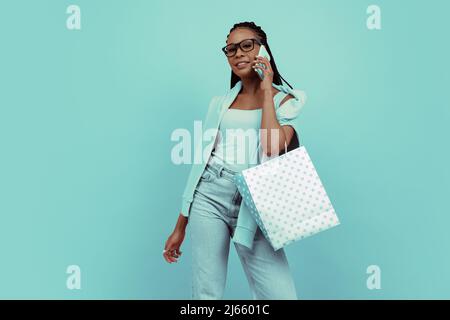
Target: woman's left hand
(266, 83)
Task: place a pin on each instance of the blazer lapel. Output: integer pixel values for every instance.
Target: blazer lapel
(227, 101)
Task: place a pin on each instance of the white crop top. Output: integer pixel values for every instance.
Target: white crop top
(238, 138)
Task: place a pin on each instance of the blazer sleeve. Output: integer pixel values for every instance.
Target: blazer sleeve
(287, 113)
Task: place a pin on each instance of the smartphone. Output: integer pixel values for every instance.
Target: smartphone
(262, 53)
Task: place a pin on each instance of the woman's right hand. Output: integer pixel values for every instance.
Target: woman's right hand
(172, 246)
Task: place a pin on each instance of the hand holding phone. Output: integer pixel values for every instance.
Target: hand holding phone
(262, 53)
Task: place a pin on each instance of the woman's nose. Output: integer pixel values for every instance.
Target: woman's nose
(239, 50)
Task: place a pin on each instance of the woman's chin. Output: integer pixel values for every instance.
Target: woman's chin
(245, 73)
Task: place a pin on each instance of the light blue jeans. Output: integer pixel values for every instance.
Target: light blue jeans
(212, 222)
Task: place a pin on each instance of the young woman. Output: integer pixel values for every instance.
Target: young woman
(215, 207)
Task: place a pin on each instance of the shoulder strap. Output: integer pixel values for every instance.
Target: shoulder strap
(278, 98)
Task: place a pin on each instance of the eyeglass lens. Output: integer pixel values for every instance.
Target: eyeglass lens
(246, 45)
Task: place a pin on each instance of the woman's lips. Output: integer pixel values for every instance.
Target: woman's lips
(242, 65)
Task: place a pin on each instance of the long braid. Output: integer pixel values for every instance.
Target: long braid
(263, 37)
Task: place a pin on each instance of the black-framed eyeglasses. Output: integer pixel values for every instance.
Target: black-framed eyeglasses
(245, 45)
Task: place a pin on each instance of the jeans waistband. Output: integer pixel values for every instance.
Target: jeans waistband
(220, 170)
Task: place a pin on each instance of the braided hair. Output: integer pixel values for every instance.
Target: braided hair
(263, 38)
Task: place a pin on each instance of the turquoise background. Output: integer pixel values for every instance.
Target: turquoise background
(86, 116)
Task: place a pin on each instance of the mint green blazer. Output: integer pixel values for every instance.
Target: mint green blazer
(287, 114)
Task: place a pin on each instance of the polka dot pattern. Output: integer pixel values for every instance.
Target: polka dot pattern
(286, 197)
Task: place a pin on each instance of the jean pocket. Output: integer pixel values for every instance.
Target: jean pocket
(207, 175)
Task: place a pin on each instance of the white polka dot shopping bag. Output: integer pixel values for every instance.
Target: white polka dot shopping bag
(286, 197)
